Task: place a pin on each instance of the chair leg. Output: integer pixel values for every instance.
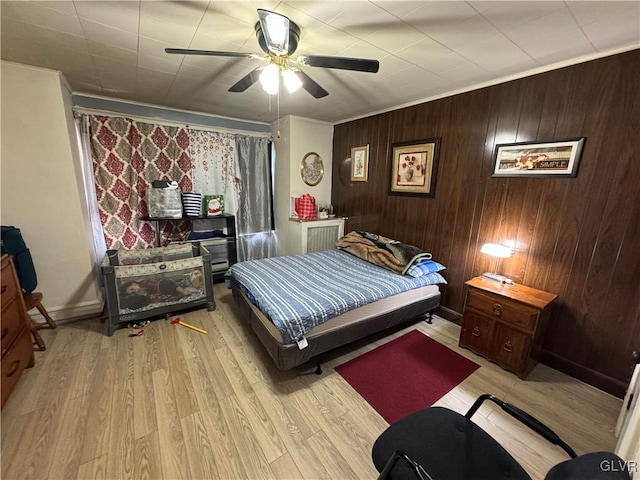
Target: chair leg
(37, 338)
(46, 316)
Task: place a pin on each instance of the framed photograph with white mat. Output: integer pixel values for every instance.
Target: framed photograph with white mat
(360, 164)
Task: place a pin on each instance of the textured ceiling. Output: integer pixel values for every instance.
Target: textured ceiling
(425, 49)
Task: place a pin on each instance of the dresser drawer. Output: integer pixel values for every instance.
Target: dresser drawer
(19, 357)
(9, 286)
(12, 321)
(507, 310)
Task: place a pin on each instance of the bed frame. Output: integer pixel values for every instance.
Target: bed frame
(336, 332)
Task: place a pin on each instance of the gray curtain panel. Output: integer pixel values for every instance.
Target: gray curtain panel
(254, 220)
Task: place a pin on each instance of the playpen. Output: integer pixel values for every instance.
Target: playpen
(146, 283)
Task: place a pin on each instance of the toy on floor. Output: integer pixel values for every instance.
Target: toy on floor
(179, 322)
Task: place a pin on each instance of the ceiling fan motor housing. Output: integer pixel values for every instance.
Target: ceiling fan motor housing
(294, 37)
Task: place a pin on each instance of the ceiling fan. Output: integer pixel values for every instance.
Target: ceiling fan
(278, 37)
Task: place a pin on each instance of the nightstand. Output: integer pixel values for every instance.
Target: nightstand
(505, 323)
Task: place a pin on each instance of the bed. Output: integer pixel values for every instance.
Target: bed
(327, 299)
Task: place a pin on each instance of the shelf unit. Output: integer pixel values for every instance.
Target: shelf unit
(223, 250)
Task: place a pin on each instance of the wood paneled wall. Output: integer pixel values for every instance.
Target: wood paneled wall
(576, 237)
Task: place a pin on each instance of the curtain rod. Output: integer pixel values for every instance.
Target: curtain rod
(169, 123)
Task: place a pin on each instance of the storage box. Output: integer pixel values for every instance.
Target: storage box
(164, 202)
(218, 251)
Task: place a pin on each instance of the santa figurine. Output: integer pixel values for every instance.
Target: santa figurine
(214, 206)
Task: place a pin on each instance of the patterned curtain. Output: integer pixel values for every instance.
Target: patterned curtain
(216, 169)
(127, 156)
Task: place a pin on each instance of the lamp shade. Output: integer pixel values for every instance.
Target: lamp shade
(291, 80)
(270, 79)
(276, 31)
(495, 250)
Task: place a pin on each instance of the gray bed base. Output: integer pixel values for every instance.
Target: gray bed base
(289, 356)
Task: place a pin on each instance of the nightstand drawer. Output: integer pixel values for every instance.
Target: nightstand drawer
(507, 310)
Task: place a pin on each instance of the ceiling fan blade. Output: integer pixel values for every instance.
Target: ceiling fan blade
(214, 53)
(246, 81)
(342, 63)
(311, 86)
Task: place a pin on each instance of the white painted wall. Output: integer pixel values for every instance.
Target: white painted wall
(282, 181)
(40, 192)
(298, 136)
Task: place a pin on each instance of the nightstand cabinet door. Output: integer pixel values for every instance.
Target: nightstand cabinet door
(505, 323)
(510, 348)
(477, 333)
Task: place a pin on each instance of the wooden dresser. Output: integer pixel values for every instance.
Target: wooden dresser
(505, 323)
(17, 351)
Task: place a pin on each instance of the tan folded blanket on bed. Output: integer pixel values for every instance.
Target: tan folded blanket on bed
(382, 251)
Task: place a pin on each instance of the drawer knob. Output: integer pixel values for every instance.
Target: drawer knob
(475, 332)
(507, 346)
(497, 309)
(4, 288)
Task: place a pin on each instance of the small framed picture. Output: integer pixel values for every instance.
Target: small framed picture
(360, 164)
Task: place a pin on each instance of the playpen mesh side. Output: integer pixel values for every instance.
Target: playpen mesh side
(149, 255)
(152, 285)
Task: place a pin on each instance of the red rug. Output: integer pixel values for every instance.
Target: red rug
(407, 374)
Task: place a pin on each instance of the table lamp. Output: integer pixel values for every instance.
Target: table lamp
(498, 251)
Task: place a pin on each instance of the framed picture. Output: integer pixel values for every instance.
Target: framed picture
(360, 164)
(414, 167)
(548, 159)
(311, 169)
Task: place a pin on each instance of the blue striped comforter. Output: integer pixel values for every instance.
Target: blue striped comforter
(301, 291)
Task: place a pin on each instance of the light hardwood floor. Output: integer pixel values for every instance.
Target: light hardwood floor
(175, 403)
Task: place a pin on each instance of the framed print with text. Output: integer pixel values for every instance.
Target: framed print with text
(547, 159)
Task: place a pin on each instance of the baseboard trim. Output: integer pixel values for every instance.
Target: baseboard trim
(64, 313)
(448, 314)
(587, 375)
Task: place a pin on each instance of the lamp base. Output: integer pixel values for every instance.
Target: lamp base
(497, 278)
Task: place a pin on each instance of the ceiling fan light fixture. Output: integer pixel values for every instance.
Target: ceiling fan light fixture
(270, 79)
(291, 80)
(276, 31)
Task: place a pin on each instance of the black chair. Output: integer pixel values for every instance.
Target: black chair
(439, 444)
